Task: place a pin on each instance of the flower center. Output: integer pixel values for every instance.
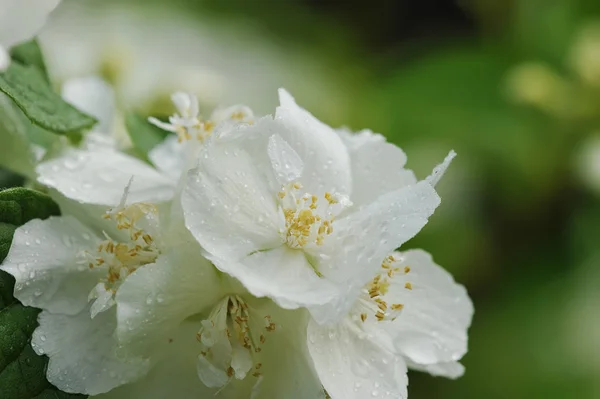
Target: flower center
(121, 258)
(188, 125)
(375, 291)
(308, 218)
(231, 339)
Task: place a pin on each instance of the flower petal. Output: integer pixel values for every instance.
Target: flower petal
(93, 95)
(43, 260)
(84, 357)
(439, 170)
(174, 375)
(21, 20)
(351, 365)
(371, 156)
(282, 274)
(437, 312)
(156, 298)
(169, 157)
(228, 205)
(100, 177)
(326, 160)
(361, 241)
(452, 370)
(285, 161)
(292, 375)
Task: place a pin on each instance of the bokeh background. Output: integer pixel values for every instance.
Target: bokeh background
(512, 85)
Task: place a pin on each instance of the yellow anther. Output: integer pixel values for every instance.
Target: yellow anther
(363, 317)
(408, 286)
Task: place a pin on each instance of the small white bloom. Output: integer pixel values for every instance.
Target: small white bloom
(412, 314)
(98, 172)
(230, 343)
(174, 154)
(20, 21)
(74, 273)
(271, 203)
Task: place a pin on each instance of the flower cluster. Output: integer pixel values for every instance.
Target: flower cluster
(253, 257)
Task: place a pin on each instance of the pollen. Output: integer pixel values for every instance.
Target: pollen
(120, 258)
(309, 219)
(379, 286)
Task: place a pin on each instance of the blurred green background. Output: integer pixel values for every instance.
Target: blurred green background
(513, 86)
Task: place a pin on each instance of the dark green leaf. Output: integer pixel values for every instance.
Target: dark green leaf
(20, 205)
(144, 135)
(26, 86)
(29, 53)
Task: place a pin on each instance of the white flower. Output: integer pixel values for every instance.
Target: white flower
(20, 21)
(98, 172)
(174, 154)
(74, 272)
(411, 315)
(271, 204)
(236, 345)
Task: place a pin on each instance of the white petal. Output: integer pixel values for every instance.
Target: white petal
(211, 375)
(241, 360)
(432, 327)
(43, 260)
(100, 176)
(355, 140)
(174, 376)
(169, 157)
(282, 274)
(20, 20)
(287, 372)
(351, 365)
(438, 171)
(84, 357)
(93, 95)
(377, 167)
(4, 58)
(156, 298)
(451, 370)
(361, 241)
(325, 157)
(285, 161)
(227, 205)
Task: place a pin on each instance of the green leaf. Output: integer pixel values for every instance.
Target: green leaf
(20, 205)
(143, 134)
(22, 371)
(30, 53)
(26, 86)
